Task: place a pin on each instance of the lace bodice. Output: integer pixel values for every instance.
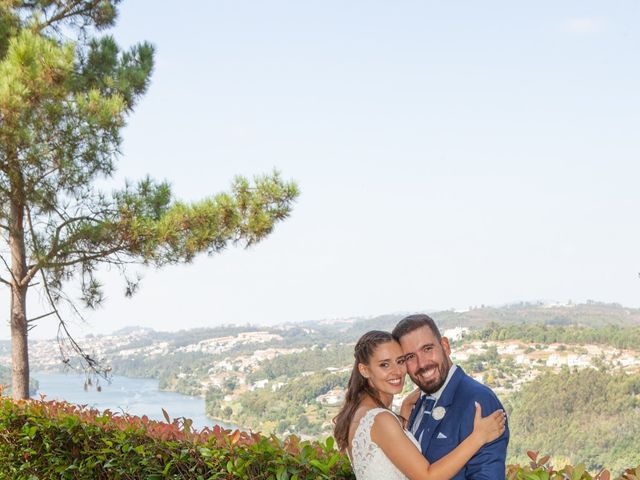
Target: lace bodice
(367, 458)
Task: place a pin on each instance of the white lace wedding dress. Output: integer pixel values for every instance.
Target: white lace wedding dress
(368, 460)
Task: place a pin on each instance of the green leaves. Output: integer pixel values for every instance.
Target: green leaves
(62, 106)
(33, 76)
(57, 440)
(161, 233)
(592, 414)
(540, 469)
(114, 73)
(52, 16)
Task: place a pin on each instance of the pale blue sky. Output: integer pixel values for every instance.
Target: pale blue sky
(448, 154)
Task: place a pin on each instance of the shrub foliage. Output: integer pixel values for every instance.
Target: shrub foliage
(540, 469)
(55, 440)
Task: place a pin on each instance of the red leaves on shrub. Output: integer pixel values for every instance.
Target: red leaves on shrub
(103, 445)
(632, 474)
(541, 469)
(88, 444)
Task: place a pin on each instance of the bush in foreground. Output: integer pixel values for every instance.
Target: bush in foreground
(54, 440)
(539, 469)
(41, 440)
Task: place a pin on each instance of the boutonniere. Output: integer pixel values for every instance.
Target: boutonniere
(438, 413)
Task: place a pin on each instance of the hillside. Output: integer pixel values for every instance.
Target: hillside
(290, 378)
(592, 314)
(590, 414)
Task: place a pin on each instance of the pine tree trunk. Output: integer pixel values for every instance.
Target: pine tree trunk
(19, 345)
(19, 331)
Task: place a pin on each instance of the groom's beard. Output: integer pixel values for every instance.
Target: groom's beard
(432, 385)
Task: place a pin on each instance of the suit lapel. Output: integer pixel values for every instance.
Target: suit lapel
(446, 399)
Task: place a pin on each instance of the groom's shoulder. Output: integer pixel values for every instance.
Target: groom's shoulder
(470, 386)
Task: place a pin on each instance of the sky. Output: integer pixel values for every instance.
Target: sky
(449, 154)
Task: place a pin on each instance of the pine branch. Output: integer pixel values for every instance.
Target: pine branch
(15, 281)
(31, 320)
(64, 334)
(83, 258)
(56, 246)
(69, 11)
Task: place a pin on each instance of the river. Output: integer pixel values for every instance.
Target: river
(136, 396)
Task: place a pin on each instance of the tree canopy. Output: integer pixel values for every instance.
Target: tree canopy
(63, 105)
(587, 415)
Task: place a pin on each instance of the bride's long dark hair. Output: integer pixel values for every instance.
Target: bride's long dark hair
(358, 386)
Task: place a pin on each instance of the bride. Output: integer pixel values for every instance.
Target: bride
(374, 437)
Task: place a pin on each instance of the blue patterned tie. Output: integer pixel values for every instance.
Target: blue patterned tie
(426, 415)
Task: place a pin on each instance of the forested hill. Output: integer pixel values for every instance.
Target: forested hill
(593, 414)
(591, 314)
(124, 348)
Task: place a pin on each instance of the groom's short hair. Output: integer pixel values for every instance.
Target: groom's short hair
(413, 322)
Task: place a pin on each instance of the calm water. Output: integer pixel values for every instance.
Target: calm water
(136, 396)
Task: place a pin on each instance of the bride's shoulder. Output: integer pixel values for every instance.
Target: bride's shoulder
(364, 410)
(364, 417)
(385, 423)
(385, 418)
(376, 419)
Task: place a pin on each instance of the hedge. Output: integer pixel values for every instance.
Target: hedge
(42, 440)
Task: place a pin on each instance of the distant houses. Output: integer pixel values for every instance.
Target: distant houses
(332, 397)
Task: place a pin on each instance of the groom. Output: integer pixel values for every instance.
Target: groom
(443, 416)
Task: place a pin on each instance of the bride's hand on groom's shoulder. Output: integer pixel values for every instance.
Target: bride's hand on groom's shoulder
(490, 427)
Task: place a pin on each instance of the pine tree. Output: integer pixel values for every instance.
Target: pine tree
(62, 107)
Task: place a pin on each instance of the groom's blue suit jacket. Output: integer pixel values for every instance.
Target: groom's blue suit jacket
(442, 436)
